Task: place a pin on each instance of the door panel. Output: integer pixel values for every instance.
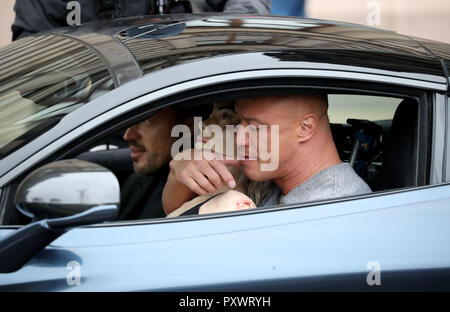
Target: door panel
(331, 242)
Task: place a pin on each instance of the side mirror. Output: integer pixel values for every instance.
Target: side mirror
(60, 195)
(65, 188)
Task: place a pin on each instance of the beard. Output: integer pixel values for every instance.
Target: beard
(146, 170)
(153, 163)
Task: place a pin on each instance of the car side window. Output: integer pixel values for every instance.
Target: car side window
(363, 132)
(374, 135)
(366, 143)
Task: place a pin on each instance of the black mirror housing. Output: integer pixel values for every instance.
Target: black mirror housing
(61, 195)
(65, 188)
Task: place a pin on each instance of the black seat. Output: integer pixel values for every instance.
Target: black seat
(399, 168)
(119, 161)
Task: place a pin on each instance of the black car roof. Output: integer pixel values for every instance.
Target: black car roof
(156, 42)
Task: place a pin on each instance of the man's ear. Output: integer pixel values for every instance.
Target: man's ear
(307, 127)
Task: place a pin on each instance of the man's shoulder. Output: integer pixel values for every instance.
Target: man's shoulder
(347, 181)
(335, 181)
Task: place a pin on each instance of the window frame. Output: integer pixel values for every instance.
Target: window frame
(141, 108)
(446, 164)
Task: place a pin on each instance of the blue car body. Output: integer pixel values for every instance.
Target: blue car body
(324, 246)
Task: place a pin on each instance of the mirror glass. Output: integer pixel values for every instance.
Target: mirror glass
(67, 187)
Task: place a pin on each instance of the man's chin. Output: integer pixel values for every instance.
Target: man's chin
(140, 169)
(144, 169)
(253, 171)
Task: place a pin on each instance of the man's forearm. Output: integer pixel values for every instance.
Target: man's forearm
(175, 194)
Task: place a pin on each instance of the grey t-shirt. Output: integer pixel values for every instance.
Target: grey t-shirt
(336, 181)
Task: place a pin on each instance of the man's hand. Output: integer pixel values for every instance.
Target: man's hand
(202, 172)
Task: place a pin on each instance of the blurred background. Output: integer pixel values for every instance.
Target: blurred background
(426, 19)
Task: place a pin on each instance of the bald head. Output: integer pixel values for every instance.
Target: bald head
(302, 103)
(291, 106)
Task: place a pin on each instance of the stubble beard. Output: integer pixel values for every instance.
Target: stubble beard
(149, 168)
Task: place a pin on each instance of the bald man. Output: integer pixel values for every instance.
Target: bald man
(309, 167)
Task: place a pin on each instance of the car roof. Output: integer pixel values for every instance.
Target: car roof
(151, 43)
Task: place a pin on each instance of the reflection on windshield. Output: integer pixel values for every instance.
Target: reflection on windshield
(43, 78)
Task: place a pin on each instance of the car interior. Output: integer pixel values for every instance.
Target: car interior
(380, 150)
(376, 135)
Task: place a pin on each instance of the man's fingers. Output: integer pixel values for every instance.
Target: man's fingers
(224, 173)
(203, 182)
(193, 186)
(204, 176)
(212, 176)
(232, 162)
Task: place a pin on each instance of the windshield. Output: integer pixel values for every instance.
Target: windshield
(43, 78)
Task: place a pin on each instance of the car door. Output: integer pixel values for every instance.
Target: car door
(327, 246)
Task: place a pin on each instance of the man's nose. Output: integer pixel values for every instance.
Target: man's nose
(132, 133)
(242, 136)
